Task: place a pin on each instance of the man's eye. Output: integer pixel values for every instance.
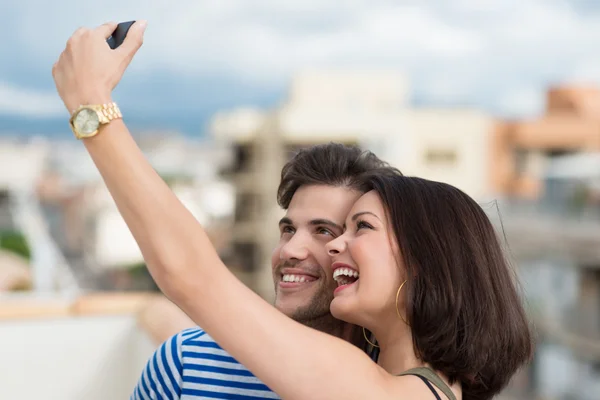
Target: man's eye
(324, 231)
(287, 229)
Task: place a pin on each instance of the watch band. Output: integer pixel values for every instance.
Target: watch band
(105, 113)
(108, 112)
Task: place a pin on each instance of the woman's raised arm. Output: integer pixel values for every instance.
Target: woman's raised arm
(295, 361)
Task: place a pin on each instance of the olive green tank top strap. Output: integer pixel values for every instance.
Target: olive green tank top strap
(432, 377)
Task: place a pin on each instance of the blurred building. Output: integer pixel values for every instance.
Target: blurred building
(544, 174)
(570, 125)
(556, 243)
(451, 145)
(22, 163)
(370, 109)
(549, 173)
(86, 224)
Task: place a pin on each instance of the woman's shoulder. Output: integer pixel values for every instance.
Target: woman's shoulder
(424, 383)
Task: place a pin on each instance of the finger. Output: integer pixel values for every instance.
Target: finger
(79, 32)
(134, 39)
(56, 68)
(106, 29)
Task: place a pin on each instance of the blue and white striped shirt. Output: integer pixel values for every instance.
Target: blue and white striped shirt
(191, 365)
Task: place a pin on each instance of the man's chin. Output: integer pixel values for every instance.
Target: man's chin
(307, 304)
(289, 303)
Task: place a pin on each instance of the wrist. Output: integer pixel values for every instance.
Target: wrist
(87, 98)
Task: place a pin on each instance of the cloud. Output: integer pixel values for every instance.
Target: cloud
(271, 46)
(482, 50)
(29, 103)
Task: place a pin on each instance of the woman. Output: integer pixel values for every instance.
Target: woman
(432, 284)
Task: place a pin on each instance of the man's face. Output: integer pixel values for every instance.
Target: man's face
(302, 273)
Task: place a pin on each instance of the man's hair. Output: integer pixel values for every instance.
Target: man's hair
(331, 164)
(462, 304)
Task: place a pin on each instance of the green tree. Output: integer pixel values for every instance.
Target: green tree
(15, 242)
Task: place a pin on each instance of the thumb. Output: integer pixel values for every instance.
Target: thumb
(107, 29)
(134, 39)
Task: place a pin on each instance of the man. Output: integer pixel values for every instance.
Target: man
(317, 190)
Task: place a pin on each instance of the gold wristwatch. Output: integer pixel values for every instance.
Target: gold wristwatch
(87, 119)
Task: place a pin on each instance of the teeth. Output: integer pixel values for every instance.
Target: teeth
(293, 278)
(345, 272)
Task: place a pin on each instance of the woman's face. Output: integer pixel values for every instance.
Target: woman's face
(365, 265)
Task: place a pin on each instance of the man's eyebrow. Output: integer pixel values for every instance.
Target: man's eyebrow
(313, 222)
(285, 221)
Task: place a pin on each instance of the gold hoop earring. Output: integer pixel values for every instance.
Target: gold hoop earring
(367, 339)
(397, 310)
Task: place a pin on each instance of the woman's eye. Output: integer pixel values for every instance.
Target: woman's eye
(363, 225)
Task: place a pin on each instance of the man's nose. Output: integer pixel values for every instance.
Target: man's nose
(296, 248)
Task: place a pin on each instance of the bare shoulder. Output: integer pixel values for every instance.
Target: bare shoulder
(414, 388)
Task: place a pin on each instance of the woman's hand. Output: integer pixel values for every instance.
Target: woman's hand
(88, 70)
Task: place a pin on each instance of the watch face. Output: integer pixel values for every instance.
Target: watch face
(86, 121)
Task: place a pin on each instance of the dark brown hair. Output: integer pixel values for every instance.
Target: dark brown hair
(462, 302)
(331, 164)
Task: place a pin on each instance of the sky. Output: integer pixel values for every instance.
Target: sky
(200, 57)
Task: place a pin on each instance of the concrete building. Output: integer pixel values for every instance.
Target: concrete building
(548, 172)
(555, 241)
(86, 224)
(519, 163)
(370, 109)
(22, 163)
(447, 145)
(570, 125)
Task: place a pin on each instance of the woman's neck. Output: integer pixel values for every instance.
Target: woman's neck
(397, 352)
